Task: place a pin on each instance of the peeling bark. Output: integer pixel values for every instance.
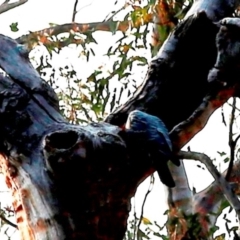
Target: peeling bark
(67, 181)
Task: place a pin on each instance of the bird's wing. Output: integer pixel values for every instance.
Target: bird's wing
(166, 148)
(165, 141)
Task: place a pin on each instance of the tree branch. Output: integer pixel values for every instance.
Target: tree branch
(209, 201)
(221, 182)
(185, 131)
(145, 199)
(4, 7)
(231, 142)
(74, 10)
(179, 202)
(40, 36)
(164, 73)
(3, 218)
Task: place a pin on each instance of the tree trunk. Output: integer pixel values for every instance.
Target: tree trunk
(73, 182)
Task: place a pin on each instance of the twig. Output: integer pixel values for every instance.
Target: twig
(74, 11)
(144, 200)
(223, 184)
(135, 219)
(231, 142)
(87, 5)
(229, 104)
(223, 117)
(232, 121)
(110, 18)
(7, 221)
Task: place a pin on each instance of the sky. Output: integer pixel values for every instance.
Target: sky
(36, 15)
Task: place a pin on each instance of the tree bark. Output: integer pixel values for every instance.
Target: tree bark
(72, 182)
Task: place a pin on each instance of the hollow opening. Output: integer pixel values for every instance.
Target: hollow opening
(62, 140)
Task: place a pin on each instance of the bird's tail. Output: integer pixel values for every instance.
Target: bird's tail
(175, 160)
(164, 174)
(170, 156)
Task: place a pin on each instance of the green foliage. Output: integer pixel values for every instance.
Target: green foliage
(92, 98)
(14, 27)
(147, 230)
